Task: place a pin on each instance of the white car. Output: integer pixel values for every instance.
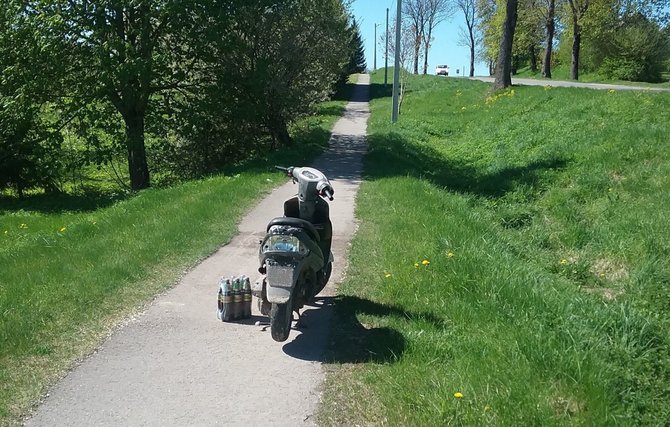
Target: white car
(442, 70)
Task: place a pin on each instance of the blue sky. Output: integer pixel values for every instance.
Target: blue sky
(445, 49)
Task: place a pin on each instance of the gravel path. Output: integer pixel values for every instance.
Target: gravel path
(176, 364)
(562, 83)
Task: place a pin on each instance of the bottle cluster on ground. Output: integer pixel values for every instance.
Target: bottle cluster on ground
(234, 301)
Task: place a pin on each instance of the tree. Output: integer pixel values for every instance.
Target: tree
(468, 36)
(302, 63)
(436, 11)
(356, 51)
(490, 21)
(550, 28)
(128, 53)
(273, 65)
(503, 78)
(30, 71)
(528, 35)
(187, 84)
(406, 52)
(415, 13)
(636, 50)
(578, 9)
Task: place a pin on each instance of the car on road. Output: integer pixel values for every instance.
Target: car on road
(442, 70)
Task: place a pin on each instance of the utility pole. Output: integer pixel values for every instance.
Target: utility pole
(386, 54)
(396, 69)
(374, 66)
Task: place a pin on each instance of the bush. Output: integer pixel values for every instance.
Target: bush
(637, 50)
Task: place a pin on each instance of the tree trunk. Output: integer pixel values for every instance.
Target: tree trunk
(491, 67)
(503, 78)
(137, 156)
(426, 47)
(550, 26)
(533, 59)
(472, 60)
(576, 44)
(417, 48)
(279, 131)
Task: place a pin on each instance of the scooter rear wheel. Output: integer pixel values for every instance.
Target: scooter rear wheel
(281, 316)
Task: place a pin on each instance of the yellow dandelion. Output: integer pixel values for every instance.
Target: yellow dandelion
(62, 229)
(609, 189)
(487, 408)
(463, 108)
(6, 232)
(511, 92)
(23, 226)
(425, 262)
(416, 264)
(564, 261)
(458, 395)
(602, 275)
(450, 254)
(387, 275)
(611, 91)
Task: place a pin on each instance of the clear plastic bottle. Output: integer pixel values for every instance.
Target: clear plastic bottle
(219, 301)
(246, 297)
(225, 300)
(237, 298)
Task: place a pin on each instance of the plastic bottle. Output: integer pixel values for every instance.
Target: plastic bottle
(219, 301)
(237, 298)
(246, 297)
(225, 300)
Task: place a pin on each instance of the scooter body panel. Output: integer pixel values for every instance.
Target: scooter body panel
(284, 269)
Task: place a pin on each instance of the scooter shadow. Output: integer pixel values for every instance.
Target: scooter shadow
(350, 341)
(250, 321)
(315, 321)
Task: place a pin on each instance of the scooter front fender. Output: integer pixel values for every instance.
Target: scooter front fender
(278, 295)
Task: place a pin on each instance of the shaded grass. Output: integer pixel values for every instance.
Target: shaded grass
(540, 214)
(73, 266)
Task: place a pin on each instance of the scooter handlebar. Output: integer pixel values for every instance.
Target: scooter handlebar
(289, 170)
(328, 192)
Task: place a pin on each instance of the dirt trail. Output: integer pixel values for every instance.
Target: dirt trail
(176, 364)
(563, 83)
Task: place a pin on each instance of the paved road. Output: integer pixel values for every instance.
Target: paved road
(561, 83)
(177, 365)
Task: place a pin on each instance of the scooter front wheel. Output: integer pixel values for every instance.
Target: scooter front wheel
(281, 316)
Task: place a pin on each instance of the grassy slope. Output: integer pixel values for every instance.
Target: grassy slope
(542, 214)
(72, 267)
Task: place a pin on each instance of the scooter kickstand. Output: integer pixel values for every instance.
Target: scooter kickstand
(299, 324)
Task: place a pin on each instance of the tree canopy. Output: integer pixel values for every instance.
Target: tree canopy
(619, 39)
(182, 86)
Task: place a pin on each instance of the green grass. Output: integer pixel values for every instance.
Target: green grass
(73, 266)
(543, 215)
(562, 72)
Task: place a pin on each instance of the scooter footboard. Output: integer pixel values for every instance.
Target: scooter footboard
(281, 279)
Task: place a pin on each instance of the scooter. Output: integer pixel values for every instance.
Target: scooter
(295, 257)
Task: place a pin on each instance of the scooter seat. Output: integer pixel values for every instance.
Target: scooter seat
(298, 223)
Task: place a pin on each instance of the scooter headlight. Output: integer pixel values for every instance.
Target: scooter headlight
(284, 243)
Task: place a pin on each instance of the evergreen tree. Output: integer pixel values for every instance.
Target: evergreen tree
(357, 62)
